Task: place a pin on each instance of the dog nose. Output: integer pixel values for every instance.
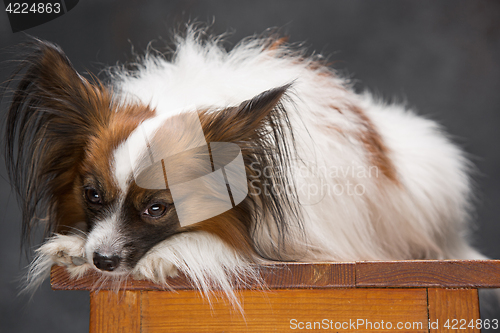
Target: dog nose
(105, 263)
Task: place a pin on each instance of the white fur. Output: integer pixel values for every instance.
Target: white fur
(107, 240)
(204, 258)
(423, 215)
(63, 250)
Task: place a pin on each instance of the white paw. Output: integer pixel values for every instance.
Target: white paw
(66, 250)
(155, 268)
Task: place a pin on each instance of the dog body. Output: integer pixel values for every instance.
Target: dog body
(332, 175)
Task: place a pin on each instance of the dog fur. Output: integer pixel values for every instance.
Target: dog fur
(332, 175)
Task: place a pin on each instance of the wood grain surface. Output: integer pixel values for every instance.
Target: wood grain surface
(115, 312)
(429, 273)
(287, 311)
(418, 273)
(337, 297)
(453, 310)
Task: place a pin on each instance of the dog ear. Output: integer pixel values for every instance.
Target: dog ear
(53, 112)
(261, 128)
(246, 121)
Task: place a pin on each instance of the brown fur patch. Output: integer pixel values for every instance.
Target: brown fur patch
(98, 155)
(378, 153)
(102, 144)
(373, 144)
(56, 117)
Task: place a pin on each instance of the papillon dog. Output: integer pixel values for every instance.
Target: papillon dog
(211, 162)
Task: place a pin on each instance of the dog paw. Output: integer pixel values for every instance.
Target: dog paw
(65, 250)
(155, 268)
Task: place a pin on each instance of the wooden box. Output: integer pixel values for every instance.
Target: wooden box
(392, 296)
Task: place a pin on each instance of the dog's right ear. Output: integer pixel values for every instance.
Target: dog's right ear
(53, 112)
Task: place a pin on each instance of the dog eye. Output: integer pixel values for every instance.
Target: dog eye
(156, 210)
(93, 196)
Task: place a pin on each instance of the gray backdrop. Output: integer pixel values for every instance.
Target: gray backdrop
(442, 57)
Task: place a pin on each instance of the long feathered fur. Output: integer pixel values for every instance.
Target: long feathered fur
(51, 101)
(353, 178)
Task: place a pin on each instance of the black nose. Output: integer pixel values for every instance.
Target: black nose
(106, 263)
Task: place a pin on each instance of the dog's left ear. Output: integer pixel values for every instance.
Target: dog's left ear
(54, 112)
(261, 128)
(247, 121)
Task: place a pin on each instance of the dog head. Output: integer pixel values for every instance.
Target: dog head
(85, 160)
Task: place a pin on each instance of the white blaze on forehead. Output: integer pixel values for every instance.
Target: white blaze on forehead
(122, 167)
(128, 158)
(105, 238)
(171, 151)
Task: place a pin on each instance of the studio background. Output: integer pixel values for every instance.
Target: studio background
(440, 57)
